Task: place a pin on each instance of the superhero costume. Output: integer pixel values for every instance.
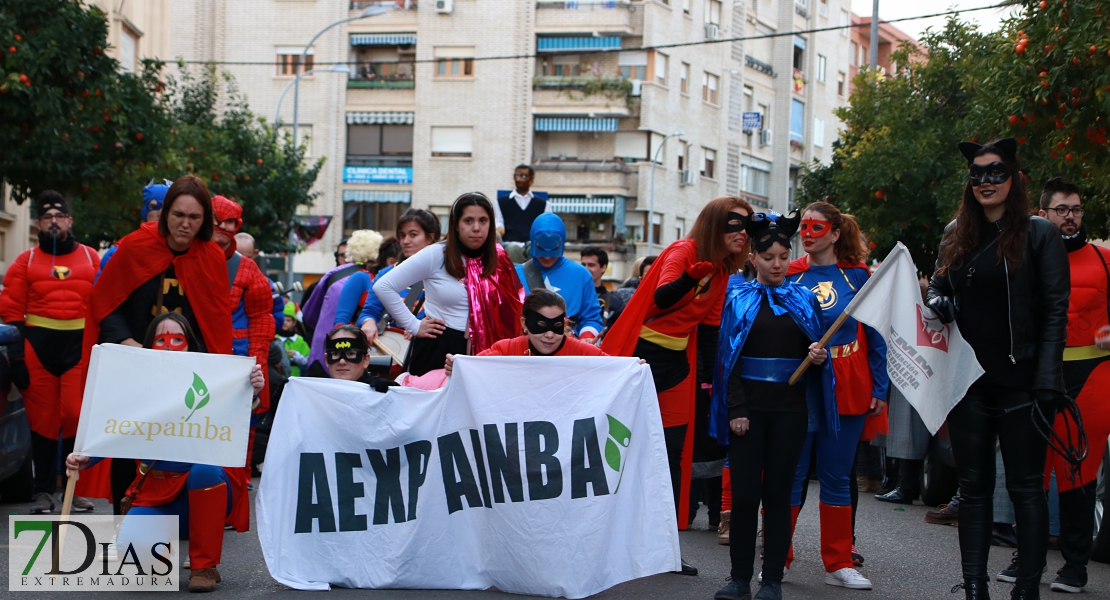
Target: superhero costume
(319, 310)
(46, 291)
(858, 357)
(373, 308)
(519, 346)
(569, 279)
(153, 195)
(356, 291)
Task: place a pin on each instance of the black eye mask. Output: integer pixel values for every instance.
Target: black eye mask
(352, 349)
(731, 227)
(537, 323)
(994, 173)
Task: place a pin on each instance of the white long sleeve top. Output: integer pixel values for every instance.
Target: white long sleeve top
(444, 296)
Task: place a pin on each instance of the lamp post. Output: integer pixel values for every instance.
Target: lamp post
(281, 98)
(873, 47)
(651, 201)
(370, 11)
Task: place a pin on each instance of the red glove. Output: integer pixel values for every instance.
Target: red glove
(699, 271)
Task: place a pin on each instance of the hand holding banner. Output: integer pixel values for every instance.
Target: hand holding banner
(177, 406)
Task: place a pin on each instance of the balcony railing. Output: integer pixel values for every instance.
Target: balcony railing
(759, 65)
(388, 75)
(582, 164)
(389, 4)
(583, 4)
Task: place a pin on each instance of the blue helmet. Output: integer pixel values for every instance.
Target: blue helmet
(549, 234)
(153, 195)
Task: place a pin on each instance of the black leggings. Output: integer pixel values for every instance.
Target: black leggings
(675, 438)
(762, 463)
(984, 414)
(44, 457)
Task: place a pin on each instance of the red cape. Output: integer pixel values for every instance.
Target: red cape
(142, 255)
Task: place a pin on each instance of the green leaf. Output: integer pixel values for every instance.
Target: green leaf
(203, 402)
(612, 455)
(189, 399)
(619, 431)
(199, 386)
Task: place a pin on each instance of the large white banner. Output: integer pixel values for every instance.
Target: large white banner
(930, 362)
(156, 405)
(533, 475)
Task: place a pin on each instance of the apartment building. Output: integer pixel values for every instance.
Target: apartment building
(890, 39)
(608, 100)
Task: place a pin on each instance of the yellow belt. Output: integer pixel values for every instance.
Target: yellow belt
(667, 341)
(1085, 353)
(59, 324)
(845, 350)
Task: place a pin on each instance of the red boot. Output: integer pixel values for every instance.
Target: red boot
(836, 537)
(794, 510)
(207, 508)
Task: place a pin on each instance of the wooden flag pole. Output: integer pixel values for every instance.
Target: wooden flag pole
(67, 506)
(380, 346)
(820, 344)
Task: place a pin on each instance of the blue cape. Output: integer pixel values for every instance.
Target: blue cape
(742, 301)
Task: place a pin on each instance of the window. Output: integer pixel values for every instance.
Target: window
(631, 145)
(855, 54)
(823, 7)
(656, 228)
(379, 216)
(288, 59)
(709, 87)
(128, 43)
(845, 23)
(864, 55)
(684, 78)
(662, 63)
(821, 64)
(797, 120)
(633, 65)
(686, 6)
(713, 12)
(454, 61)
(818, 132)
(799, 53)
(761, 47)
(452, 141)
(841, 80)
(683, 148)
(379, 140)
(566, 65)
(708, 158)
(680, 228)
(656, 148)
(754, 177)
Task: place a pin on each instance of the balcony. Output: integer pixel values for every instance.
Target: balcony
(758, 65)
(383, 75)
(603, 95)
(401, 12)
(613, 17)
(584, 176)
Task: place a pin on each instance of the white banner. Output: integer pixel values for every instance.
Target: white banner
(157, 405)
(927, 360)
(533, 475)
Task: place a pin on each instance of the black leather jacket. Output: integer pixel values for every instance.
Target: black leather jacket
(1038, 292)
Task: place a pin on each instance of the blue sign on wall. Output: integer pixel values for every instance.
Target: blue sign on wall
(753, 120)
(377, 174)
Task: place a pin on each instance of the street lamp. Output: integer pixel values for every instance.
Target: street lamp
(651, 202)
(369, 11)
(281, 98)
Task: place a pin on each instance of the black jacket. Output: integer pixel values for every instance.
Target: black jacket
(1038, 292)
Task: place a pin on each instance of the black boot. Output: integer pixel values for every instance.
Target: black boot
(974, 589)
(1026, 591)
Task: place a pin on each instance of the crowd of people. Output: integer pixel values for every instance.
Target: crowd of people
(724, 318)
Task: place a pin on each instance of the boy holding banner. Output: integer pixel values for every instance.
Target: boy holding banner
(204, 497)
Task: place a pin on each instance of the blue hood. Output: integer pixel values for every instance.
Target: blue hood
(549, 235)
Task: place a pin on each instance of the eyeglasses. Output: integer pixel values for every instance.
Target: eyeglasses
(54, 218)
(1063, 210)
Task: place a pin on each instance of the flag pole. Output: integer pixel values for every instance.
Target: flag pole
(820, 344)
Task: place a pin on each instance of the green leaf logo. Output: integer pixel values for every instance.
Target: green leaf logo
(619, 438)
(197, 397)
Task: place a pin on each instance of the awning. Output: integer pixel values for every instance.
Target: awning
(569, 44)
(383, 39)
(379, 118)
(582, 205)
(376, 196)
(575, 124)
(799, 42)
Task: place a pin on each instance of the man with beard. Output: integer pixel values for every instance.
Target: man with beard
(46, 293)
(1086, 377)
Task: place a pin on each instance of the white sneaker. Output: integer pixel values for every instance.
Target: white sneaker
(848, 578)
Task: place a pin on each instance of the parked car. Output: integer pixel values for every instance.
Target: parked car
(1101, 550)
(16, 478)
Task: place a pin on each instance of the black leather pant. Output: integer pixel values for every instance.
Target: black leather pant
(984, 414)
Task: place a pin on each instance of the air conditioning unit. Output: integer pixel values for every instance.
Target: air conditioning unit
(711, 31)
(765, 137)
(637, 85)
(688, 177)
(445, 6)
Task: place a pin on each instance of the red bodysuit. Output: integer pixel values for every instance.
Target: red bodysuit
(518, 346)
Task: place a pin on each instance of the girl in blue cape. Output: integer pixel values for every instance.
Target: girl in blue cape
(768, 327)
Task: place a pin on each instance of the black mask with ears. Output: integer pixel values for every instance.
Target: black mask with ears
(765, 229)
(1005, 147)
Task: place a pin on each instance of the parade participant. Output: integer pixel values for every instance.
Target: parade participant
(46, 292)
(1002, 276)
(674, 314)
(596, 261)
(472, 292)
(833, 270)
(348, 356)
(548, 269)
(1086, 378)
(310, 291)
(543, 319)
(168, 266)
(204, 497)
(252, 303)
(416, 229)
(151, 210)
(768, 326)
(244, 244)
(516, 210)
(320, 310)
(294, 344)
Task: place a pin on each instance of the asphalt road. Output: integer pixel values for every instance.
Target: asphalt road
(905, 558)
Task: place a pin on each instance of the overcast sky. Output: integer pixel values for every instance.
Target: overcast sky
(988, 20)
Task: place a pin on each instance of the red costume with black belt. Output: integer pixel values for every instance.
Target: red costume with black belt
(519, 346)
(49, 295)
(674, 328)
(202, 272)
